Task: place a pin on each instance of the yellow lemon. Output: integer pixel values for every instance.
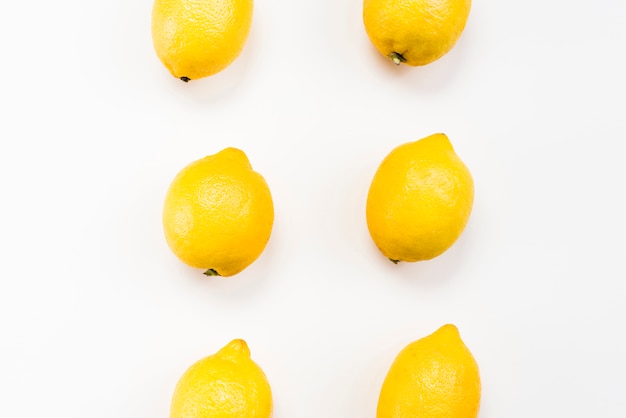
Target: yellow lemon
(419, 200)
(218, 213)
(415, 32)
(227, 384)
(199, 38)
(433, 377)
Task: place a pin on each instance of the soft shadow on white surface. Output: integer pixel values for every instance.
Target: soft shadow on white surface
(216, 88)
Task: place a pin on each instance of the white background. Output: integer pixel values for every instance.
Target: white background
(97, 317)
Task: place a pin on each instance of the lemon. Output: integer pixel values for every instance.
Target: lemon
(218, 213)
(199, 38)
(419, 200)
(225, 384)
(415, 32)
(433, 377)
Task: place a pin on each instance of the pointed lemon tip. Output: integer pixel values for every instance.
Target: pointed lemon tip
(236, 155)
(438, 141)
(439, 137)
(448, 331)
(235, 348)
(449, 327)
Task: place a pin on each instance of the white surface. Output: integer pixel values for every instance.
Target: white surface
(97, 317)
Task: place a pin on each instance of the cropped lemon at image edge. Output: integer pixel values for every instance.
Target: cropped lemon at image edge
(435, 376)
(415, 32)
(225, 384)
(197, 39)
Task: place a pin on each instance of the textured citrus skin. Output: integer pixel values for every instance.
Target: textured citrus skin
(419, 200)
(199, 38)
(218, 213)
(416, 32)
(433, 377)
(227, 384)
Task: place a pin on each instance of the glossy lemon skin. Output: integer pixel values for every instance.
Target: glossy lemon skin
(199, 38)
(419, 200)
(218, 213)
(415, 32)
(435, 377)
(227, 384)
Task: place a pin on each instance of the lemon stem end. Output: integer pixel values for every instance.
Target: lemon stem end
(185, 79)
(396, 58)
(211, 272)
(394, 261)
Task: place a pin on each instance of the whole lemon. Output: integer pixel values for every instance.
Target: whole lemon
(435, 377)
(199, 38)
(419, 200)
(218, 213)
(415, 32)
(225, 384)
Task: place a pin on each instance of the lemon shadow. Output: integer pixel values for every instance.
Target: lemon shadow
(346, 37)
(429, 79)
(223, 85)
(427, 274)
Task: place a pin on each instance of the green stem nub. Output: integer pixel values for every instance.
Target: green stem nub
(185, 79)
(394, 261)
(396, 58)
(211, 272)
